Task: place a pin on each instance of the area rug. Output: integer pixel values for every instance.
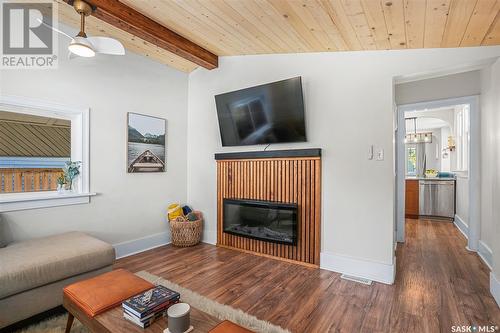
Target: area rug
(213, 308)
(202, 303)
(55, 325)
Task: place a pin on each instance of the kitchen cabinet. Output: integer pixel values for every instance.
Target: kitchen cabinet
(411, 198)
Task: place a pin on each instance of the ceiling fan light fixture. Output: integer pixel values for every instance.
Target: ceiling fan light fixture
(81, 47)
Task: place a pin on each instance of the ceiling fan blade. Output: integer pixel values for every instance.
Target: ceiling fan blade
(56, 30)
(107, 45)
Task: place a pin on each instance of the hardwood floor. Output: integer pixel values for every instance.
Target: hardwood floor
(438, 284)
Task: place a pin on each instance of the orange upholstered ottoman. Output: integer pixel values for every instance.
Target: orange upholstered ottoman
(229, 327)
(88, 298)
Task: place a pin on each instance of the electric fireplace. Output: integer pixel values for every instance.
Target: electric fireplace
(264, 220)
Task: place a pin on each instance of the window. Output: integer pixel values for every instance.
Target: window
(36, 139)
(462, 119)
(33, 151)
(411, 160)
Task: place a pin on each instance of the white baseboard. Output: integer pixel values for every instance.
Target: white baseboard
(485, 254)
(461, 225)
(371, 270)
(139, 245)
(209, 237)
(495, 287)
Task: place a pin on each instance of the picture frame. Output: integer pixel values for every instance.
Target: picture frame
(146, 143)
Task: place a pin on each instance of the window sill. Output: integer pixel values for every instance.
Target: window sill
(463, 174)
(23, 201)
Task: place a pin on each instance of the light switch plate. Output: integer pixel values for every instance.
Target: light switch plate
(380, 155)
(370, 152)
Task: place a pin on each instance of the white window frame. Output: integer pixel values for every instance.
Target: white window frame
(407, 150)
(79, 118)
(462, 135)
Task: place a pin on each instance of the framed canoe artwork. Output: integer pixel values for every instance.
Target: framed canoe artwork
(146, 149)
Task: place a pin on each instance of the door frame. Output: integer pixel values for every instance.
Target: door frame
(473, 231)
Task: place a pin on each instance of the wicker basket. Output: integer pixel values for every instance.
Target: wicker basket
(187, 233)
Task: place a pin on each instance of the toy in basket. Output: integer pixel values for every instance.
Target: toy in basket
(186, 231)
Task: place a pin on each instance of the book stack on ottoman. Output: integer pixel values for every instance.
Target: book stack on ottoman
(143, 309)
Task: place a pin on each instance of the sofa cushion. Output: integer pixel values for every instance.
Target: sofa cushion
(33, 263)
(3, 240)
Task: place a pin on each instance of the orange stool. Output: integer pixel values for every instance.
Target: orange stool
(88, 298)
(229, 327)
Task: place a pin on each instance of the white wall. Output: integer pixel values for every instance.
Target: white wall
(447, 115)
(445, 161)
(448, 86)
(129, 206)
(490, 180)
(462, 184)
(490, 194)
(349, 106)
(488, 114)
(496, 180)
(462, 198)
(432, 150)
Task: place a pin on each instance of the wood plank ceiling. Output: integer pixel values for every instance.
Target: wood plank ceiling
(243, 27)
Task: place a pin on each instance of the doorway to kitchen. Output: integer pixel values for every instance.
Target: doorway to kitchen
(437, 164)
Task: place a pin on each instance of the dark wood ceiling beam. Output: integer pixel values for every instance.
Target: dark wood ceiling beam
(130, 20)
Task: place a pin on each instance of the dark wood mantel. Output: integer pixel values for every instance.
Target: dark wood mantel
(290, 153)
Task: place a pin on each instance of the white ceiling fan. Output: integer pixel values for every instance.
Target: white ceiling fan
(84, 46)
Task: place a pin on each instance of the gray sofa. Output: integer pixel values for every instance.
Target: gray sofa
(33, 273)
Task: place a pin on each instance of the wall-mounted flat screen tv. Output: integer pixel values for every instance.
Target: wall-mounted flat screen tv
(269, 113)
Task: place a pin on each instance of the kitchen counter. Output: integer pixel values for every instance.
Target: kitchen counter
(430, 178)
(430, 196)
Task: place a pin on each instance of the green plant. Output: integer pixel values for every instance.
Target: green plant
(71, 171)
(61, 180)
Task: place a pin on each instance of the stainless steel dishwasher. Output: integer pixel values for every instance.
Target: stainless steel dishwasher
(437, 198)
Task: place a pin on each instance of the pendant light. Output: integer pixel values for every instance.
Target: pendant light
(417, 137)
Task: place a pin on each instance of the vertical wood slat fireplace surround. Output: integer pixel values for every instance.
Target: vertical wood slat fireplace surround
(288, 176)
